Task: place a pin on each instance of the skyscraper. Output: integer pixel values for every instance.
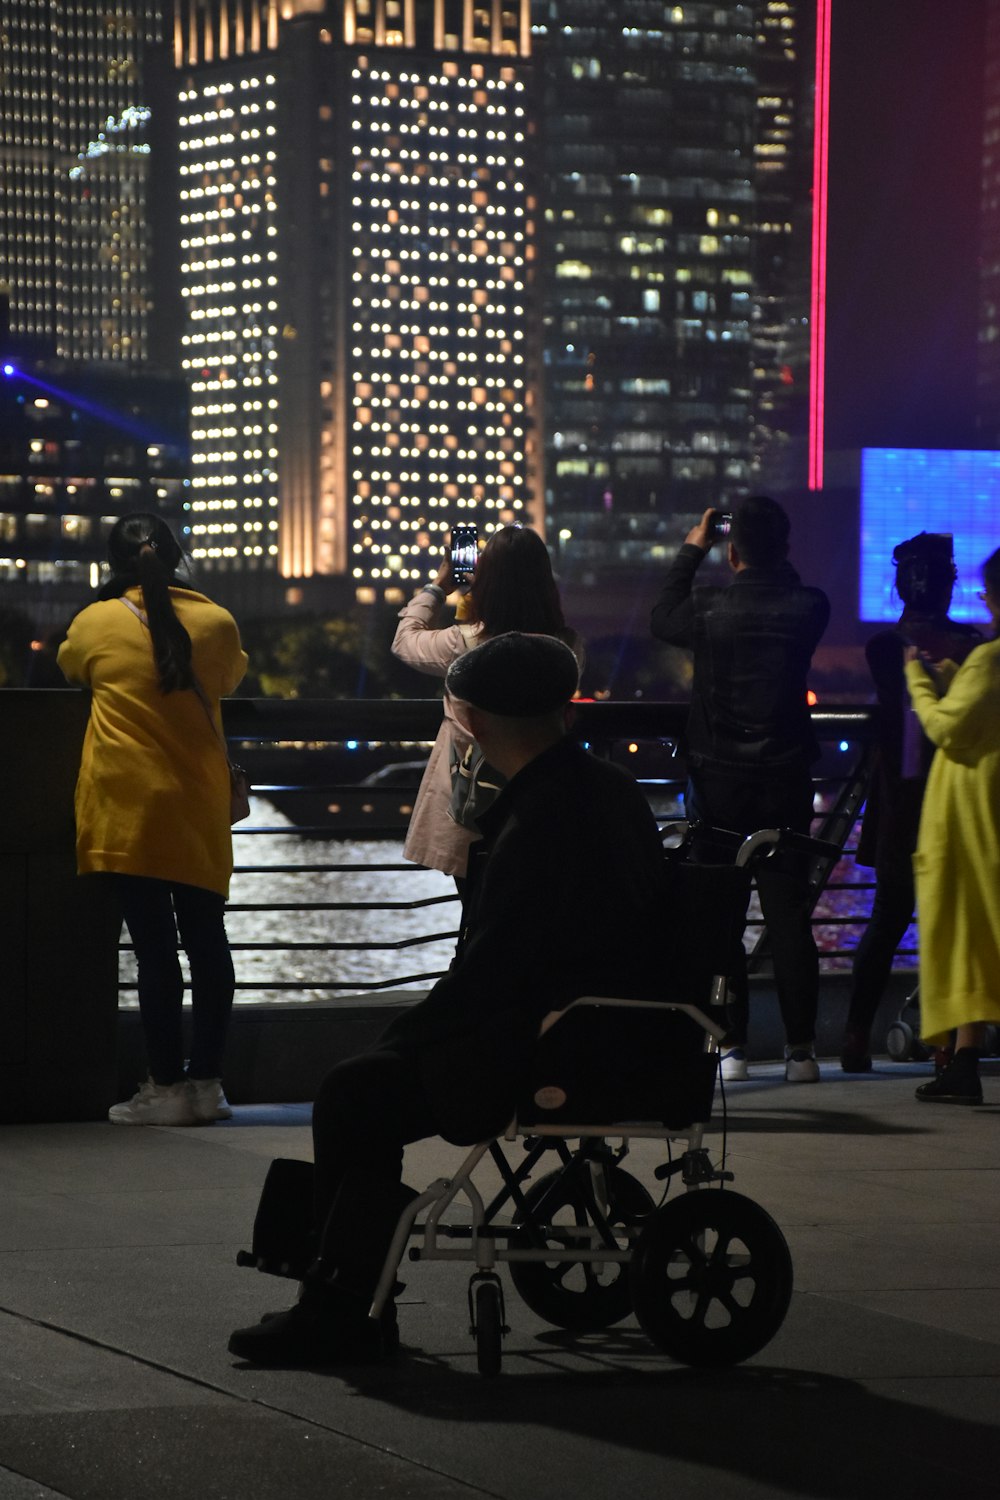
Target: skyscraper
(784, 66)
(357, 224)
(674, 263)
(74, 161)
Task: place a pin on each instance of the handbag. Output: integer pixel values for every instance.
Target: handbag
(239, 781)
(475, 785)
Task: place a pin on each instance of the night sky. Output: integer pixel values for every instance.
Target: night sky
(906, 127)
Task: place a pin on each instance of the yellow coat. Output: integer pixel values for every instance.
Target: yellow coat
(957, 863)
(152, 797)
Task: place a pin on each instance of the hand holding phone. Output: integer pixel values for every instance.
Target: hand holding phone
(464, 551)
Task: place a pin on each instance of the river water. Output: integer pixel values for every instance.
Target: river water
(305, 890)
(283, 880)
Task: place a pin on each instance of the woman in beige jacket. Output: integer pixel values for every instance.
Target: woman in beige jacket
(512, 589)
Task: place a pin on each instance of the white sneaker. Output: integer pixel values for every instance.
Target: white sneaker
(801, 1065)
(208, 1099)
(156, 1104)
(733, 1065)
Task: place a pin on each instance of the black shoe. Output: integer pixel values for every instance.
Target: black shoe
(328, 1326)
(854, 1054)
(958, 1083)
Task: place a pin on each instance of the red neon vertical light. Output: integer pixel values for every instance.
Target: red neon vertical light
(817, 305)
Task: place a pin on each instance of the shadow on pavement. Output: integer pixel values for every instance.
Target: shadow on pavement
(794, 1430)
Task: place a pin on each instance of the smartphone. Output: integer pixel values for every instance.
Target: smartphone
(722, 524)
(464, 551)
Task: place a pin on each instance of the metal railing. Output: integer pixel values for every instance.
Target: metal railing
(297, 750)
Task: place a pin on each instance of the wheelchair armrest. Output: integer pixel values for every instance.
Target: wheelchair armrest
(612, 1002)
(765, 841)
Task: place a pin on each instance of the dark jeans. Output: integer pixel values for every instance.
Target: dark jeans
(155, 912)
(744, 806)
(892, 913)
(367, 1109)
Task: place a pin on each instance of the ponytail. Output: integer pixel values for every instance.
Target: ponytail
(144, 553)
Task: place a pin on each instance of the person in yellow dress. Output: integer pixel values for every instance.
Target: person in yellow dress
(957, 862)
(153, 800)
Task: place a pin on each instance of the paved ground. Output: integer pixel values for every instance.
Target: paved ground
(118, 1290)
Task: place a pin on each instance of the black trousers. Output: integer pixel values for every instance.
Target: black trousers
(892, 913)
(367, 1109)
(155, 912)
(744, 806)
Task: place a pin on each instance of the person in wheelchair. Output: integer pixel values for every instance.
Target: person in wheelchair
(567, 896)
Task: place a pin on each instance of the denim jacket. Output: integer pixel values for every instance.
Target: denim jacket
(753, 643)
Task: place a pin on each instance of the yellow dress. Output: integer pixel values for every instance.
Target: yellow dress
(152, 797)
(957, 863)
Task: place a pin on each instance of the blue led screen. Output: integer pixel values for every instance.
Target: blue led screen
(906, 490)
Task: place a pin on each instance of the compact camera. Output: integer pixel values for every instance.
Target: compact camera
(464, 551)
(722, 524)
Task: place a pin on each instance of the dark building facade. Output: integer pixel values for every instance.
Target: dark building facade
(781, 328)
(675, 256)
(79, 447)
(75, 251)
(988, 372)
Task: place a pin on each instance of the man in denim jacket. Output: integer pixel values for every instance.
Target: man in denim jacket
(749, 742)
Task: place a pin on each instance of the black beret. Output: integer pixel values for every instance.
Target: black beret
(515, 675)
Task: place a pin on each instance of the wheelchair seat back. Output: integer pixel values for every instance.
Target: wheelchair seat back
(603, 1064)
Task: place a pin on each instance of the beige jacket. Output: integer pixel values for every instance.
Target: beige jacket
(433, 838)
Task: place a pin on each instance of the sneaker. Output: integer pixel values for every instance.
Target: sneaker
(733, 1065)
(209, 1102)
(957, 1083)
(801, 1065)
(156, 1104)
(327, 1326)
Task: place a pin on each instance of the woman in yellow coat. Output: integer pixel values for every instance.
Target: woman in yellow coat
(957, 863)
(152, 803)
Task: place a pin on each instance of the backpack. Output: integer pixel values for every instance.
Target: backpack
(475, 785)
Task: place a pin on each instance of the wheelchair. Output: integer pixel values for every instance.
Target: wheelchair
(706, 1271)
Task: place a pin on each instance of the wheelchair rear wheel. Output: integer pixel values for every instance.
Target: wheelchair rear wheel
(580, 1295)
(711, 1278)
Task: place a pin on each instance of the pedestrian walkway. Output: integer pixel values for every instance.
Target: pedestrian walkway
(118, 1290)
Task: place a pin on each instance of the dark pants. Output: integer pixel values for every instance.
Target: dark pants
(367, 1109)
(155, 912)
(892, 913)
(744, 806)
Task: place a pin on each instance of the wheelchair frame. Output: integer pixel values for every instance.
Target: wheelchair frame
(707, 1274)
(719, 1247)
(485, 1246)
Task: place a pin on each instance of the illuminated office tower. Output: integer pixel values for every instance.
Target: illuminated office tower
(74, 159)
(649, 114)
(356, 256)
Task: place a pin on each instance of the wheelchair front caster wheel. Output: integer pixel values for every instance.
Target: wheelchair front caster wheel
(898, 1041)
(583, 1296)
(902, 1044)
(486, 1298)
(711, 1278)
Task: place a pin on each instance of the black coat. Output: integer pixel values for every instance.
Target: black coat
(892, 810)
(567, 896)
(753, 643)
